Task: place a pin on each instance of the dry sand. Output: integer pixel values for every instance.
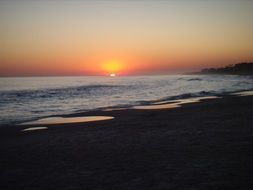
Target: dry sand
(205, 145)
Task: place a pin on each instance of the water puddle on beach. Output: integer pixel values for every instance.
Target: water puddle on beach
(172, 104)
(157, 107)
(246, 93)
(115, 109)
(34, 128)
(62, 120)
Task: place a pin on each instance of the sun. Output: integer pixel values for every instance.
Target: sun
(112, 67)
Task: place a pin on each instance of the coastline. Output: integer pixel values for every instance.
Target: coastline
(33, 99)
(165, 103)
(201, 145)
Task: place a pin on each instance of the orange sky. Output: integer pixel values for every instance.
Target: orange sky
(138, 37)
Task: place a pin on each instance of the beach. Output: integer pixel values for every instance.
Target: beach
(126, 95)
(200, 145)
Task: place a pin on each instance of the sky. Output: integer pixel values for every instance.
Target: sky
(127, 37)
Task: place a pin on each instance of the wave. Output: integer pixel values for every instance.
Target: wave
(195, 79)
(47, 93)
(242, 83)
(190, 79)
(182, 96)
(190, 95)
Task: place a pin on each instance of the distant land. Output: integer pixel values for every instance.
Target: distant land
(236, 69)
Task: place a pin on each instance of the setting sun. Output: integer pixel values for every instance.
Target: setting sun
(113, 75)
(112, 66)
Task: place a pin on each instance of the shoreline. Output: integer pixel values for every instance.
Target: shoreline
(29, 103)
(202, 145)
(165, 103)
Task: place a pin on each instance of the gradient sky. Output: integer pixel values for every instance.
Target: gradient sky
(66, 37)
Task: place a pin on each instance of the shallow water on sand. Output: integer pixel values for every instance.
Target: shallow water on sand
(173, 104)
(34, 129)
(61, 120)
(245, 93)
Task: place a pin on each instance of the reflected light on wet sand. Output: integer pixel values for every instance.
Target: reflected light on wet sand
(61, 120)
(157, 107)
(115, 109)
(246, 93)
(34, 128)
(169, 105)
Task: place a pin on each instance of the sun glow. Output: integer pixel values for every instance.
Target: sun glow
(112, 75)
(112, 66)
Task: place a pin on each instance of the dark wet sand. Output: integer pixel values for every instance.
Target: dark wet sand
(199, 146)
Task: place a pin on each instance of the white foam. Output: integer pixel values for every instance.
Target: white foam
(177, 104)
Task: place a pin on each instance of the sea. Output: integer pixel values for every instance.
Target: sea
(30, 98)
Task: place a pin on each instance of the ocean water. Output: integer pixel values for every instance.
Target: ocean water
(28, 98)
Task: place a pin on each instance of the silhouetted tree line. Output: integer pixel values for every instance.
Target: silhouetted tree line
(237, 69)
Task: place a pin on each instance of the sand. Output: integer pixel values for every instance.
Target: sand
(204, 145)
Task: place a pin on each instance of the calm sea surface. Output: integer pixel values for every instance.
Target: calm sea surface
(31, 98)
